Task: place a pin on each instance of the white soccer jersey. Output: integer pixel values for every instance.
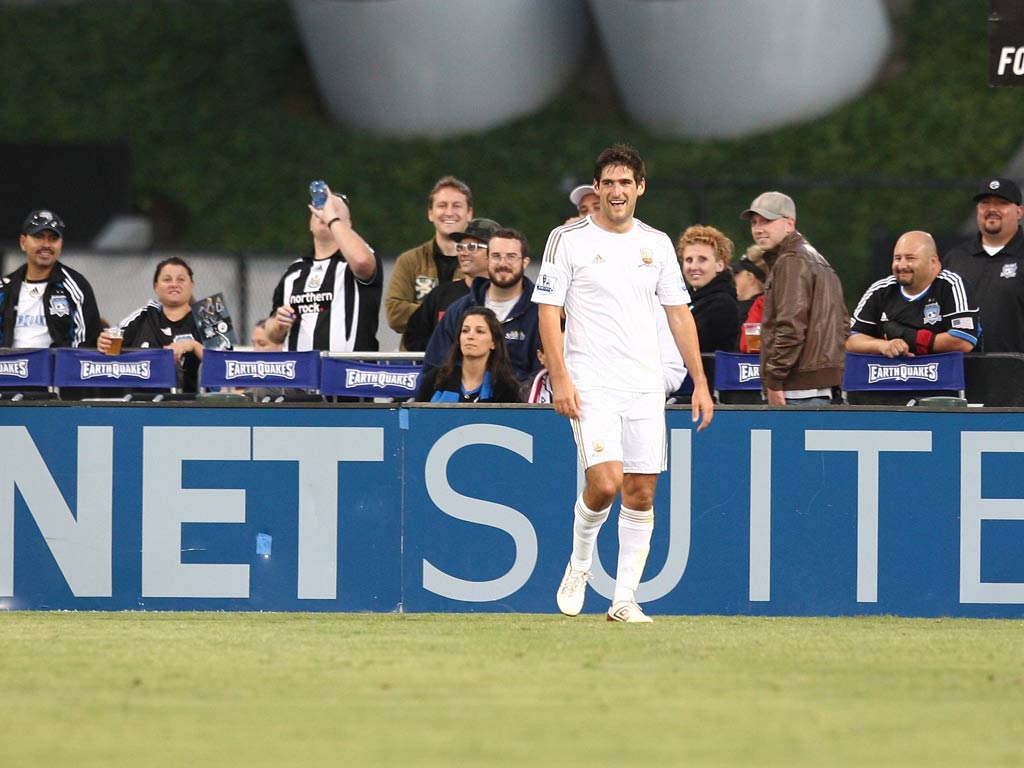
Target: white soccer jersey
(611, 285)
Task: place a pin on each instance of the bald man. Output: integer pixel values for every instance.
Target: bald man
(922, 308)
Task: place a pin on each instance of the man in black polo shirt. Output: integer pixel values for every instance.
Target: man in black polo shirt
(992, 265)
(921, 308)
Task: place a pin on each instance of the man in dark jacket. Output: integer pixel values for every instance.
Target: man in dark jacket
(44, 303)
(805, 323)
(507, 293)
(992, 265)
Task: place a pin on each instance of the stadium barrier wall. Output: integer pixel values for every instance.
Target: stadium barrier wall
(837, 511)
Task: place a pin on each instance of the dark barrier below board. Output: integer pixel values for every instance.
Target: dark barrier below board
(835, 511)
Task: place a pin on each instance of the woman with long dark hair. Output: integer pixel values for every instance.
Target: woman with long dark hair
(477, 369)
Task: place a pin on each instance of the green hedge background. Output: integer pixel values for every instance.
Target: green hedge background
(219, 106)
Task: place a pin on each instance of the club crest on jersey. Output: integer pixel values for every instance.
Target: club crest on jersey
(1009, 271)
(647, 256)
(932, 313)
(59, 306)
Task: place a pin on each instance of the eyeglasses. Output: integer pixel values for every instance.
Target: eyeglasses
(511, 258)
(470, 247)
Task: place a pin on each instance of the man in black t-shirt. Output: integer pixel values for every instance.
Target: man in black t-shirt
(921, 308)
(992, 265)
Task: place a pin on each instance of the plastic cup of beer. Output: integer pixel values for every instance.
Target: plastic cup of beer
(116, 337)
(752, 331)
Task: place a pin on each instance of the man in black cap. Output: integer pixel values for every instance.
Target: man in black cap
(992, 264)
(45, 303)
(471, 251)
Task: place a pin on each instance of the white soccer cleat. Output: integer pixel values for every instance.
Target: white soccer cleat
(572, 590)
(629, 612)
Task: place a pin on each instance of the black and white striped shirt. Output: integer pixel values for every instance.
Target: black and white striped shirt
(335, 310)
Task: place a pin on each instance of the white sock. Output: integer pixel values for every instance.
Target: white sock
(586, 525)
(635, 529)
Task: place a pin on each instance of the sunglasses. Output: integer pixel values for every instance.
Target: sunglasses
(470, 247)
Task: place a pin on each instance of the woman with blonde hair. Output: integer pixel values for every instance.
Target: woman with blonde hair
(704, 254)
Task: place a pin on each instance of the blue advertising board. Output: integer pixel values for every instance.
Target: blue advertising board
(835, 511)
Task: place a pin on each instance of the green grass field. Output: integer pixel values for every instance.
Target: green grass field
(233, 689)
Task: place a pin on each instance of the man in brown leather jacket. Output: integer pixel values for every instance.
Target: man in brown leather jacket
(805, 323)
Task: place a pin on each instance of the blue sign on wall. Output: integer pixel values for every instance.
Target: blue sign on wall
(456, 508)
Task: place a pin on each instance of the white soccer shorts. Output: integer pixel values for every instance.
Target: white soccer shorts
(622, 426)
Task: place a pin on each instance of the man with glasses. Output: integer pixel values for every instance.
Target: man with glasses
(471, 251)
(44, 303)
(506, 291)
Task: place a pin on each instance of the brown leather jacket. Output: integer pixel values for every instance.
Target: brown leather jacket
(805, 323)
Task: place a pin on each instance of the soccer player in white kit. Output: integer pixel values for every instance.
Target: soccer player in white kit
(611, 273)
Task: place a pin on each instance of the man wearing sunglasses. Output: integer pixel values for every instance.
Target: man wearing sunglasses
(471, 251)
(44, 303)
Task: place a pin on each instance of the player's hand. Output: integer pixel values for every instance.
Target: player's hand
(564, 397)
(702, 407)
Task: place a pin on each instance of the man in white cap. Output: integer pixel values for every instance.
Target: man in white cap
(584, 198)
(805, 322)
(992, 265)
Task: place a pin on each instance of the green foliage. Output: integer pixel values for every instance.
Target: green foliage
(218, 102)
(258, 689)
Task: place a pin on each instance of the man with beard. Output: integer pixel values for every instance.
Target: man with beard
(507, 293)
(44, 303)
(921, 308)
(992, 264)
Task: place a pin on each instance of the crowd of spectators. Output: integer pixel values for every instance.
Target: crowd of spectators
(972, 298)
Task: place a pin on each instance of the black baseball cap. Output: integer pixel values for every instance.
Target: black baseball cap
(1004, 188)
(41, 220)
(481, 229)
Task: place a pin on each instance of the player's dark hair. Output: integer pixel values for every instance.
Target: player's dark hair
(621, 154)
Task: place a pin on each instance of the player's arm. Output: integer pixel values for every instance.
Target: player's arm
(564, 396)
(684, 331)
